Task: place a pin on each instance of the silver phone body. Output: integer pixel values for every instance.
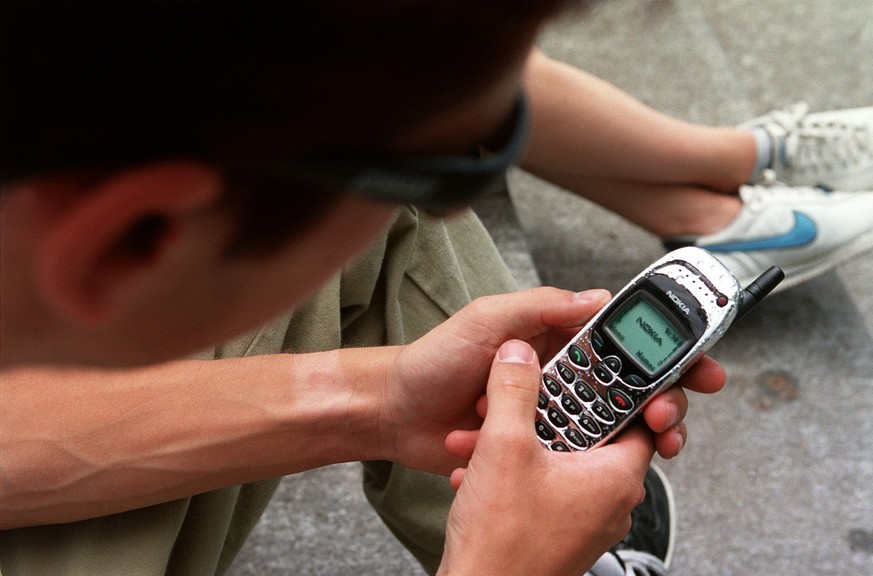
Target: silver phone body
(639, 344)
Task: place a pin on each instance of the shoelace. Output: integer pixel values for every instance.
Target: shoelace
(811, 144)
(641, 563)
(628, 563)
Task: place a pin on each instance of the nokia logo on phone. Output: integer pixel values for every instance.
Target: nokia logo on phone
(647, 328)
(678, 302)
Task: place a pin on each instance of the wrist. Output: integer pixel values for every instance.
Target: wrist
(348, 398)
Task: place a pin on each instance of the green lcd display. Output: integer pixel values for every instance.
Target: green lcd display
(645, 334)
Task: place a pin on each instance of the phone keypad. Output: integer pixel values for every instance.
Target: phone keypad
(565, 372)
(619, 400)
(544, 431)
(584, 394)
(551, 385)
(577, 356)
(588, 424)
(569, 404)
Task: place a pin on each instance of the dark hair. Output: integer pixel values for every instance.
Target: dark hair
(102, 82)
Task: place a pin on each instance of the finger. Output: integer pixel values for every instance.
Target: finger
(524, 315)
(482, 407)
(513, 386)
(707, 376)
(457, 477)
(461, 443)
(635, 447)
(666, 410)
(670, 443)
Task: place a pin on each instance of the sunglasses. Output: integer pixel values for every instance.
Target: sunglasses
(439, 184)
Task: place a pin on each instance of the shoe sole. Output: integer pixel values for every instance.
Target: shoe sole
(671, 504)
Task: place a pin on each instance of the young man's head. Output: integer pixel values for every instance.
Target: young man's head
(175, 172)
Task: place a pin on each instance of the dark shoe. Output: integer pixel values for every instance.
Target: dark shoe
(648, 547)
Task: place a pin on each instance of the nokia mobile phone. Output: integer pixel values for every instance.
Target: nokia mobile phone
(639, 344)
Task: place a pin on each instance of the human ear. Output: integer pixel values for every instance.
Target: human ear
(113, 240)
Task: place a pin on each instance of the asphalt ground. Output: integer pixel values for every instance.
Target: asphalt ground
(777, 477)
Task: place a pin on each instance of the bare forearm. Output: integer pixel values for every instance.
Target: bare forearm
(79, 444)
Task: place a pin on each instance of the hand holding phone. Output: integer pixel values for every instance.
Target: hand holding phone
(638, 345)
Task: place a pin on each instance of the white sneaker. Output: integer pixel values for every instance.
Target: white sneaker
(831, 149)
(805, 231)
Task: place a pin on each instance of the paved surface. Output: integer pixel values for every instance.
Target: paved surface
(778, 474)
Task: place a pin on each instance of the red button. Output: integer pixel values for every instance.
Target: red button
(620, 401)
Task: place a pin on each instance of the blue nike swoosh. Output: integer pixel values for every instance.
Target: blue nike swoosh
(801, 234)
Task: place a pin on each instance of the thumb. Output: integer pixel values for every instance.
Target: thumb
(513, 386)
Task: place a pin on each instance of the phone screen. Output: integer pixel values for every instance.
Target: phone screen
(645, 334)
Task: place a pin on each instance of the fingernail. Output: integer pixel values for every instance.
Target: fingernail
(515, 352)
(682, 440)
(672, 415)
(593, 295)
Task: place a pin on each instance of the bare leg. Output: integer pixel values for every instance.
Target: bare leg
(664, 210)
(665, 175)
